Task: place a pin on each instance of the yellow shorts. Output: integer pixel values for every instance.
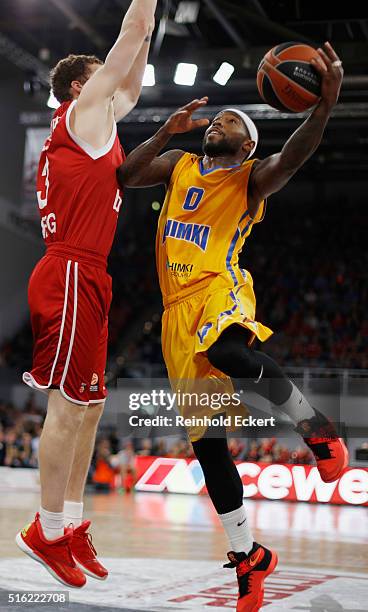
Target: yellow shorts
(191, 323)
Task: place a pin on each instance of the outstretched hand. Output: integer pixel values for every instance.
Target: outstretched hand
(329, 66)
(181, 121)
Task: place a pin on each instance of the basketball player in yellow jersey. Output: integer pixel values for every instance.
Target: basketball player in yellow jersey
(211, 205)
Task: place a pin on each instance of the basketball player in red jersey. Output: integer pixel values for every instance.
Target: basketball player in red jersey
(70, 291)
(208, 325)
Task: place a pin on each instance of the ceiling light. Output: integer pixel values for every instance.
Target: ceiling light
(224, 73)
(185, 74)
(149, 76)
(187, 12)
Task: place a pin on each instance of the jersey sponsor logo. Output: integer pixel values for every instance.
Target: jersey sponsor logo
(48, 225)
(179, 270)
(189, 232)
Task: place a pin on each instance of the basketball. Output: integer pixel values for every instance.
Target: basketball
(286, 79)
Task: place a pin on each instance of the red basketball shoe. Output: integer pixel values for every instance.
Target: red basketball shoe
(251, 571)
(329, 450)
(84, 553)
(54, 555)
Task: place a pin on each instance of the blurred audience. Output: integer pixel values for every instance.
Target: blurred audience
(114, 459)
(20, 431)
(309, 267)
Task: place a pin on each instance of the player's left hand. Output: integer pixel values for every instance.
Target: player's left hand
(329, 66)
(181, 121)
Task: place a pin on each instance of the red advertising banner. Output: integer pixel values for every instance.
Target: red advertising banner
(260, 480)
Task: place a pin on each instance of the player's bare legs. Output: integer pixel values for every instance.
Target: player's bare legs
(81, 546)
(85, 442)
(57, 449)
(65, 452)
(45, 540)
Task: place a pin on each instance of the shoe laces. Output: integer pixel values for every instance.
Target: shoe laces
(87, 537)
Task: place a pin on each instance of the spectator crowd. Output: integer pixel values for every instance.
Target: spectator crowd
(309, 264)
(114, 459)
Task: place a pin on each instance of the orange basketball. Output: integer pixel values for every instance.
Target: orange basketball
(286, 79)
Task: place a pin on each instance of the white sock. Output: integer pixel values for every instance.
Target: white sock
(73, 513)
(52, 524)
(237, 530)
(297, 406)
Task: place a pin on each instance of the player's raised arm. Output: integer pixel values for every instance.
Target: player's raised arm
(143, 168)
(127, 95)
(272, 173)
(93, 115)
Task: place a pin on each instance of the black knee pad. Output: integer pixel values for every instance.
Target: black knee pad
(231, 355)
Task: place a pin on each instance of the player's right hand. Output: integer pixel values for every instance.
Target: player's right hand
(181, 121)
(330, 68)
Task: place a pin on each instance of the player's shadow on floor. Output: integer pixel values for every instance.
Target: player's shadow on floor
(325, 603)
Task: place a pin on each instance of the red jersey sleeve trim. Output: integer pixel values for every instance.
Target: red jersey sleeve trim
(87, 148)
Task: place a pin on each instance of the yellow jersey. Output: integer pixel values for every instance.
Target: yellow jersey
(203, 225)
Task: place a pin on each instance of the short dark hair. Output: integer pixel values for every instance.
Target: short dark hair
(71, 68)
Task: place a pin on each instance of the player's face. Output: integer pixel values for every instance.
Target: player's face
(77, 85)
(225, 136)
(92, 69)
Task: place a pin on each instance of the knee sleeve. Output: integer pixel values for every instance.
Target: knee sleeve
(223, 482)
(232, 356)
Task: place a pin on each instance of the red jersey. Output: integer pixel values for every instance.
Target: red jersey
(77, 191)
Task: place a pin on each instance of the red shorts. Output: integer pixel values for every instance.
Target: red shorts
(69, 295)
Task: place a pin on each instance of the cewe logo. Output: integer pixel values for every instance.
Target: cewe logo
(260, 481)
(303, 483)
(172, 475)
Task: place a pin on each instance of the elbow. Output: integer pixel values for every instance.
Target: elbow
(146, 24)
(125, 178)
(288, 165)
(142, 25)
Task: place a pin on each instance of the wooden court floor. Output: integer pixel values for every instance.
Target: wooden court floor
(179, 535)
